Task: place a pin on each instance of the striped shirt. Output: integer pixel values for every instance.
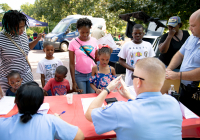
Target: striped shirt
(11, 58)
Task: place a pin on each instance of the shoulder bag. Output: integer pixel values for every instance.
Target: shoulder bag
(87, 52)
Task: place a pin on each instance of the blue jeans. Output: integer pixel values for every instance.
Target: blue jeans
(83, 83)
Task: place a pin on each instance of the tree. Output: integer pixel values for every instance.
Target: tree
(162, 9)
(28, 9)
(3, 7)
(55, 10)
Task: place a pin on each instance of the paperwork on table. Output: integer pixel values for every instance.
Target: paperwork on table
(6, 104)
(44, 108)
(188, 114)
(86, 103)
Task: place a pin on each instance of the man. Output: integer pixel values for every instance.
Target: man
(98, 33)
(151, 116)
(189, 55)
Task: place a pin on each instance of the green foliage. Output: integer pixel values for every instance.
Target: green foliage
(162, 9)
(3, 7)
(52, 11)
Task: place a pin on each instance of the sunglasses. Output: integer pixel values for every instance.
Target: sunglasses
(133, 76)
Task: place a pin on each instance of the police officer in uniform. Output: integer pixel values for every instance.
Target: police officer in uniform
(149, 116)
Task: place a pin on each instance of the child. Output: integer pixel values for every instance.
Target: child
(102, 74)
(133, 51)
(47, 66)
(59, 85)
(14, 80)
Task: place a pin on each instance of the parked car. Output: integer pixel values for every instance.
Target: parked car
(153, 36)
(66, 30)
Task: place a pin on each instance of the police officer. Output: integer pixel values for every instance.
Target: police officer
(151, 116)
(189, 55)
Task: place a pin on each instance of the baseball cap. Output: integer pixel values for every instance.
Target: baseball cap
(173, 21)
(99, 26)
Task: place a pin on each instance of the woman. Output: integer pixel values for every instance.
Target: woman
(81, 70)
(30, 125)
(11, 58)
(172, 41)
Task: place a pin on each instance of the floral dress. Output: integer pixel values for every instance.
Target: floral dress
(101, 80)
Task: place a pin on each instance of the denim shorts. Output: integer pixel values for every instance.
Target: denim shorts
(83, 83)
(81, 77)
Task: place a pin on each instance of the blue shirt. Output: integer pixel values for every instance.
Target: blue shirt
(40, 127)
(152, 116)
(10, 93)
(191, 59)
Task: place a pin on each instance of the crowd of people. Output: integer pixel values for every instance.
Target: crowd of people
(142, 117)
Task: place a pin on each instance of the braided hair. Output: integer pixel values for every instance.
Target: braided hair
(11, 20)
(83, 22)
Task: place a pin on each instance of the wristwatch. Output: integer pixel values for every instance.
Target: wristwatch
(107, 90)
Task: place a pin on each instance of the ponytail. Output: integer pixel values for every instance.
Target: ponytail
(25, 117)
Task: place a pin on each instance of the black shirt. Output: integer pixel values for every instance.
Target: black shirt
(173, 48)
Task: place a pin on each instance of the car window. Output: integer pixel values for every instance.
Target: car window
(60, 27)
(73, 27)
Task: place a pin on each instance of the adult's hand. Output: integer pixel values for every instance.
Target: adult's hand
(40, 36)
(123, 90)
(114, 83)
(171, 75)
(172, 32)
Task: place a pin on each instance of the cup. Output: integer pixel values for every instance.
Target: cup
(69, 98)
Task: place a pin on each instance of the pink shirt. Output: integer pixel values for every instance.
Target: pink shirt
(83, 62)
(57, 88)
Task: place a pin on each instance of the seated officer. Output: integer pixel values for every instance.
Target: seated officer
(151, 116)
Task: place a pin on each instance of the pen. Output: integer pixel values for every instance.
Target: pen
(61, 113)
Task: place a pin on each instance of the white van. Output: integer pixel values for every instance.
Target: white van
(66, 30)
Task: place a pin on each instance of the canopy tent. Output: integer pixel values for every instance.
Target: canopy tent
(33, 22)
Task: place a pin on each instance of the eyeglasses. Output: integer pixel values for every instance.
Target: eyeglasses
(133, 76)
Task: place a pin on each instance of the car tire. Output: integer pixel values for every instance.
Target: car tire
(64, 47)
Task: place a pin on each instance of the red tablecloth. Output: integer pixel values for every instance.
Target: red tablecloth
(75, 115)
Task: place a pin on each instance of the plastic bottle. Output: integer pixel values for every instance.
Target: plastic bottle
(171, 90)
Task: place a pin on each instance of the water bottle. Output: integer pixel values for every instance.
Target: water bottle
(171, 90)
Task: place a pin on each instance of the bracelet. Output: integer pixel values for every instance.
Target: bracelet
(107, 90)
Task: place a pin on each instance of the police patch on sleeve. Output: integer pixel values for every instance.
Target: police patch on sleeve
(107, 106)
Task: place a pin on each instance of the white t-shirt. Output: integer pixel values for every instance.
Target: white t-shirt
(132, 53)
(48, 67)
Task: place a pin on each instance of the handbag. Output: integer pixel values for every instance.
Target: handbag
(26, 57)
(87, 52)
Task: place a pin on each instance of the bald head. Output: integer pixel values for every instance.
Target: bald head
(152, 70)
(196, 15)
(195, 23)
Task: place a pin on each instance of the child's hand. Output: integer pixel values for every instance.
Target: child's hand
(79, 90)
(45, 93)
(98, 91)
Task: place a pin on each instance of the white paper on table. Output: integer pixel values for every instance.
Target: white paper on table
(86, 103)
(132, 91)
(186, 112)
(6, 104)
(44, 108)
(107, 39)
